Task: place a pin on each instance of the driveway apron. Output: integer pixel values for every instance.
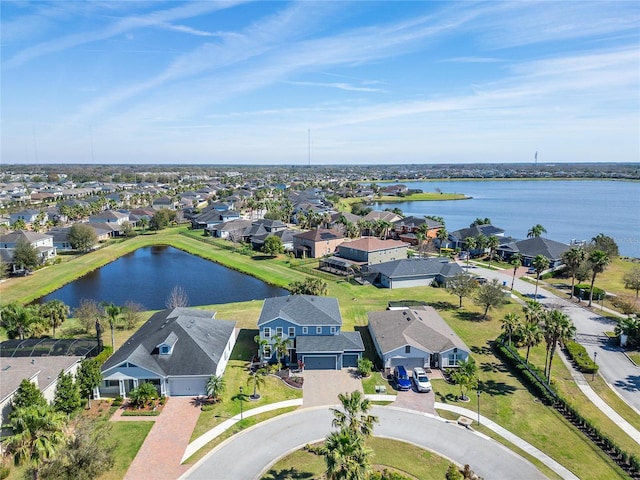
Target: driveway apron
(162, 450)
(321, 387)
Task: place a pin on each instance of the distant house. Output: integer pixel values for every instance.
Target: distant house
(233, 229)
(110, 216)
(28, 216)
(406, 228)
(43, 243)
(313, 326)
(530, 248)
(415, 337)
(412, 272)
(385, 215)
(211, 218)
(285, 236)
(457, 237)
(316, 243)
(176, 350)
(372, 250)
(164, 202)
(397, 189)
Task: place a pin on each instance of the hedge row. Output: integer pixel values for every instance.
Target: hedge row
(548, 395)
(620, 456)
(530, 374)
(104, 354)
(580, 356)
(582, 290)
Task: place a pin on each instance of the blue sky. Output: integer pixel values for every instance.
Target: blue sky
(368, 82)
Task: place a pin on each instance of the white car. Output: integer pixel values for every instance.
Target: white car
(421, 380)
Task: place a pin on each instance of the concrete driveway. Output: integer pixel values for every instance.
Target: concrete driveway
(321, 387)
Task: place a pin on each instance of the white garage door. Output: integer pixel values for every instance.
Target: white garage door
(187, 386)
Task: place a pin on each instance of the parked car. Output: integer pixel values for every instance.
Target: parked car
(421, 380)
(401, 378)
(532, 270)
(480, 280)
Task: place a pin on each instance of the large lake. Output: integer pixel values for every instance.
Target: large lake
(571, 209)
(147, 276)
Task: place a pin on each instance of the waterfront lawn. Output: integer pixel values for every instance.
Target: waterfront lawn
(397, 456)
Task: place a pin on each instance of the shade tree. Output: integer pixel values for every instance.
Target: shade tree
(490, 295)
(82, 237)
(461, 285)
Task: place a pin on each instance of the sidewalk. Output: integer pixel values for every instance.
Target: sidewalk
(583, 385)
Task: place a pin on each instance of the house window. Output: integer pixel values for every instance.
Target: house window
(318, 330)
(292, 332)
(407, 349)
(453, 359)
(165, 350)
(279, 332)
(332, 329)
(112, 383)
(267, 332)
(305, 330)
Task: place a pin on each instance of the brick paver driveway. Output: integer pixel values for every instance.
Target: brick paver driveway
(414, 400)
(321, 387)
(161, 453)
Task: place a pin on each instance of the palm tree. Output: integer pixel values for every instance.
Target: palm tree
(481, 242)
(470, 243)
(557, 328)
(540, 263)
(573, 258)
(37, 434)
(534, 312)
(442, 235)
(257, 380)
(420, 237)
(215, 386)
(281, 346)
(354, 415)
(629, 327)
(510, 324)
(56, 311)
(492, 244)
(261, 342)
(466, 376)
(598, 260)
(22, 320)
(530, 335)
(346, 456)
(113, 312)
(536, 231)
(516, 261)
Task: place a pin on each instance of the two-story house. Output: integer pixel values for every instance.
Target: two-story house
(41, 242)
(316, 243)
(310, 327)
(372, 250)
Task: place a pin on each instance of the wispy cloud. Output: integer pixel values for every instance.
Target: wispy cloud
(339, 86)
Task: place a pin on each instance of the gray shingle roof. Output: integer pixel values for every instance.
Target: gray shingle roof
(420, 327)
(416, 267)
(541, 246)
(302, 310)
(199, 340)
(343, 342)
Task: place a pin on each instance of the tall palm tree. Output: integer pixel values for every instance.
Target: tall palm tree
(113, 312)
(56, 311)
(540, 263)
(573, 258)
(534, 312)
(599, 261)
(492, 244)
(37, 435)
(346, 456)
(442, 235)
(354, 415)
(536, 231)
(516, 261)
(510, 324)
(530, 335)
(420, 239)
(481, 242)
(261, 343)
(281, 346)
(470, 243)
(557, 328)
(215, 386)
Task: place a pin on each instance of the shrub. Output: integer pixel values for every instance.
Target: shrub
(582, 290)
(117, 401)
(207, 407)
(581, 357)
(137, 413)
(104, 354)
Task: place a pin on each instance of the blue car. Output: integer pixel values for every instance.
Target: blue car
(401, 379)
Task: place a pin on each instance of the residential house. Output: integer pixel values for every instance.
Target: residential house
(397, 189)
(530, 248)
(177, 350)
(372, 250)
(316, 243)
(211, 218)
(43, 243)
(286, 237)
(110, 216)
(406, 228)
(163, 202)
(28, 216)
(456, 238)
(312, 325)
(412, 272)
(415, 337)
(385, 215)
(233, 229)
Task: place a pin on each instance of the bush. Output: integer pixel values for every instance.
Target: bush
(117, 401)
(582, 290)
(207, 407)
(104, 354)
(138, 413)
(580, 356)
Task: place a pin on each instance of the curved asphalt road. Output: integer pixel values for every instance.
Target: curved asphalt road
(249, 454)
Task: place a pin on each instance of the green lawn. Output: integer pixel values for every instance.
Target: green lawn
(402, 457)
(505, 400)
(128, 437)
